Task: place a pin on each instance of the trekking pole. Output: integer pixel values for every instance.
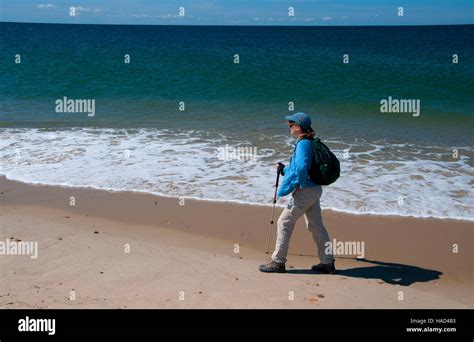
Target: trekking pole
(273, 210)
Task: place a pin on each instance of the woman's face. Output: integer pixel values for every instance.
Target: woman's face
(295, 130)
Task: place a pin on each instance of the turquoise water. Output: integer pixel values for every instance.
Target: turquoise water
(384, 155)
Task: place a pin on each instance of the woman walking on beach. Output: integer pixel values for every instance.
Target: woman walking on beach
(304, 201)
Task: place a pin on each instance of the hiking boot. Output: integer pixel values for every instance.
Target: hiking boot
(324, 268)
(273, 267)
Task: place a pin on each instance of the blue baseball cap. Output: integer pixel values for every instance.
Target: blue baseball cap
(302, 119)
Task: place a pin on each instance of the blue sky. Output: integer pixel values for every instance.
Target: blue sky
(240, 12)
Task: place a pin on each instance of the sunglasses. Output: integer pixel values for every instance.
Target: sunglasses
(291, 124)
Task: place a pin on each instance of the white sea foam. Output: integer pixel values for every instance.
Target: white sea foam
(375, 175)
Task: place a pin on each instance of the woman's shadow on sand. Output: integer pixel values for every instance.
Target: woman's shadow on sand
(390, 273)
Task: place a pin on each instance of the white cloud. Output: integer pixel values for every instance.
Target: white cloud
(83, 9)
(45, 6)
(265, 19)
(80, 10)
(283, 19)
(169, 16)
(326, 18)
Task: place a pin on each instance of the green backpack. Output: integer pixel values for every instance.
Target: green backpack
(325, 168)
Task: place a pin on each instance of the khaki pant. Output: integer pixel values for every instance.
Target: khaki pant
(303, 202)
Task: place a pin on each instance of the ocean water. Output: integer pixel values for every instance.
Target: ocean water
(138, 139)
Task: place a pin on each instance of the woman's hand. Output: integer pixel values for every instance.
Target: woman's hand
(280, 167)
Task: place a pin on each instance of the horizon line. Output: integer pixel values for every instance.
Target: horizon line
(233, 25)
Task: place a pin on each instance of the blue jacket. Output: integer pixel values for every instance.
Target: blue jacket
(297, 172)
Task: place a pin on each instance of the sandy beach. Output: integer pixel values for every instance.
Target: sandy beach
(137, 250)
